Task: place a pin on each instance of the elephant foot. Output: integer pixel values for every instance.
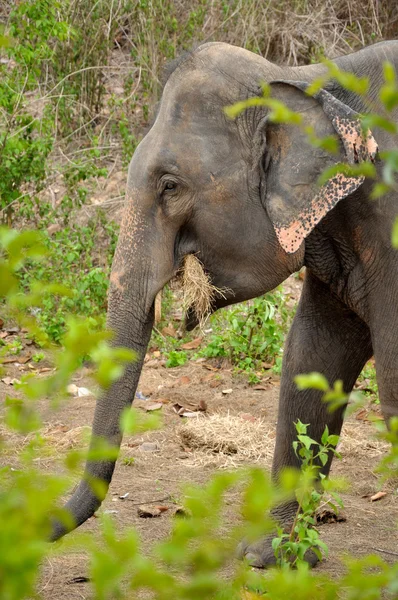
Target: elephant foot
(261, 555)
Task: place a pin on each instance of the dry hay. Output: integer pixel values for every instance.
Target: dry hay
(54, 435)
(359, 439)
(228, 440)
(198, 291)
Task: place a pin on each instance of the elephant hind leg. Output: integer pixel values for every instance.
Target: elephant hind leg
(327, 337)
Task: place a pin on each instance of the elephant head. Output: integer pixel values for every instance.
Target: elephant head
(240, 194)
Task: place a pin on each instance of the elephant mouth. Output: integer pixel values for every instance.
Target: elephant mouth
(200, 296)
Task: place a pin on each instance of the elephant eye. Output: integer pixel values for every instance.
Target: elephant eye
(168, 186)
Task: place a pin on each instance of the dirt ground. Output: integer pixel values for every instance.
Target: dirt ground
(164, 463)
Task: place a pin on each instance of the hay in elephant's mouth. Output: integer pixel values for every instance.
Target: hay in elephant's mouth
(197, 288)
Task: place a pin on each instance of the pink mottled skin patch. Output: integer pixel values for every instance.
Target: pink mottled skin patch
(359, 147)
(291, 236)
(130, 241)
(116, 280)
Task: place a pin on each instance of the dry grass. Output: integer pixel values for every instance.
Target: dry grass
(227, 440)
(198, 291)
(355, 442)
(299, 31)
(55, 437)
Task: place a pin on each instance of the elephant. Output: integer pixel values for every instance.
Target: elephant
(243, 196)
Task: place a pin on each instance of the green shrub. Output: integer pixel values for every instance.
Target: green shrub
(250, 334)
(72, 262)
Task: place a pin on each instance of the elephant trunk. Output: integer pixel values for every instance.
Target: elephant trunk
(130, 317)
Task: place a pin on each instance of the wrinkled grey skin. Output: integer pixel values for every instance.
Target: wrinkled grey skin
(201, 183)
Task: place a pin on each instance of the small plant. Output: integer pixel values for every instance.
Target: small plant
(176, 358)
(38, 357)
(128, 461)
(250, 334)
(290, 548)
(368, 382)
(15, 347)
(73, 264)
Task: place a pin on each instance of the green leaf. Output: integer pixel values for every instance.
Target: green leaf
(364, 169)
(306, 441)
(325, 435)
(301, 427)
(358, 85)
(389, 72)
(394, 234)
(379, 190)
(373, 120)
(333, 440)
(236, 109)
(315, 381)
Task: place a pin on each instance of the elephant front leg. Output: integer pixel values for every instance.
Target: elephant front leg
(329, 338)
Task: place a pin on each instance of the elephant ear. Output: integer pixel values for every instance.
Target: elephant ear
(294, 201)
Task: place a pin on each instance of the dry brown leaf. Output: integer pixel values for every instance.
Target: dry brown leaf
(148, 512)
(12, 359)
(153, 406)
(153, 364)
(3, 334)
(208, 377)
(248, 417)
(10, 380)
(181, 411)
(362, 415)
(378, 496)
(193, 344)
(184, 380)
(266, 365)
(24, 359)
(169, 331)
(215, 383)
(1, 323)
(261, 387)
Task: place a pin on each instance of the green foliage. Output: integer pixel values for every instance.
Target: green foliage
(73, 262)
(250, 333)
(176, 358)
(368, 378)
(28, 496)
(290, 548)
(334, 396)
(25, 140)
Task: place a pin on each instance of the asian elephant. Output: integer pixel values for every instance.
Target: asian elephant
(243, 196)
